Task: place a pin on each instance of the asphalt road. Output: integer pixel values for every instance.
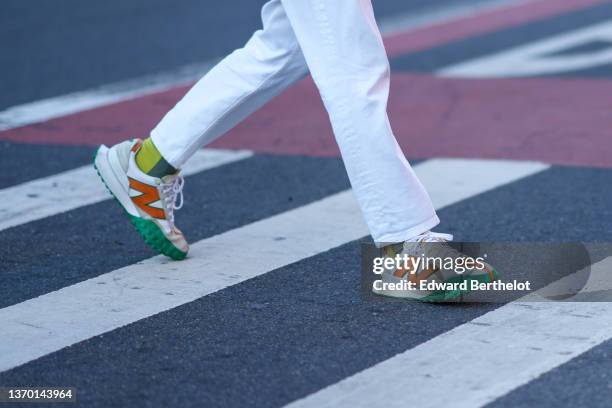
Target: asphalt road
(297, 329)
(58, 47)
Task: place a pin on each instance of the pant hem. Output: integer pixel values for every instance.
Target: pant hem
(163, 150)
(407, 234)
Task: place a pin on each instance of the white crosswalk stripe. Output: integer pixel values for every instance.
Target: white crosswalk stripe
(79, 187)
(58, 319)
(482, 360)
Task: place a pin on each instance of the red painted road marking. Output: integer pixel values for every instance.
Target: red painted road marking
(518, 119)
(528, 119)
(535, 119)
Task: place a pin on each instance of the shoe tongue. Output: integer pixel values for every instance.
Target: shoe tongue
(434, 237)
(411, 248)
(170, 178)
(421, 242)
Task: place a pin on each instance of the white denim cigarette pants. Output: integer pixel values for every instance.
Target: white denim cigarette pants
(338, 43)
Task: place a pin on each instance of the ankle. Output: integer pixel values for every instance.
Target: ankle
(150, 161)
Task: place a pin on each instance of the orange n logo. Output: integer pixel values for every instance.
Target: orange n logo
(149, 195)
(411, 273)
(414, 278)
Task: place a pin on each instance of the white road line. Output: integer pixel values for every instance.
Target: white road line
(539, 57)
(48, 323)
(54, 107)
(484, 359)
(76, 188)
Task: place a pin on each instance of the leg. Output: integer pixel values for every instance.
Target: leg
(346, 57)
(143, 177)
(240, 84)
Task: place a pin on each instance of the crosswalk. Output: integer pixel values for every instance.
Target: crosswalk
(111, 300)
(266, 309)
(511, 343)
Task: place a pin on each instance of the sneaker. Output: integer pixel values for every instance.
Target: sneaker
(149, 201)
(430, 245)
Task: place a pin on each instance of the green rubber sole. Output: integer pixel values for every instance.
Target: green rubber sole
(152, 235)
(148, 230)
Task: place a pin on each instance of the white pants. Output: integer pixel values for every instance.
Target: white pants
(338, 42)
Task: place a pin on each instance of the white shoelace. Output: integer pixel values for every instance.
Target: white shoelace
(172, 192)
(433, 237)
(417, 244)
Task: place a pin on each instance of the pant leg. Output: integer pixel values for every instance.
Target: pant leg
(236, 87)
(347, 60)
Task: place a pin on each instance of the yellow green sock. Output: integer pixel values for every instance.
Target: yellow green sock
(150, 161)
